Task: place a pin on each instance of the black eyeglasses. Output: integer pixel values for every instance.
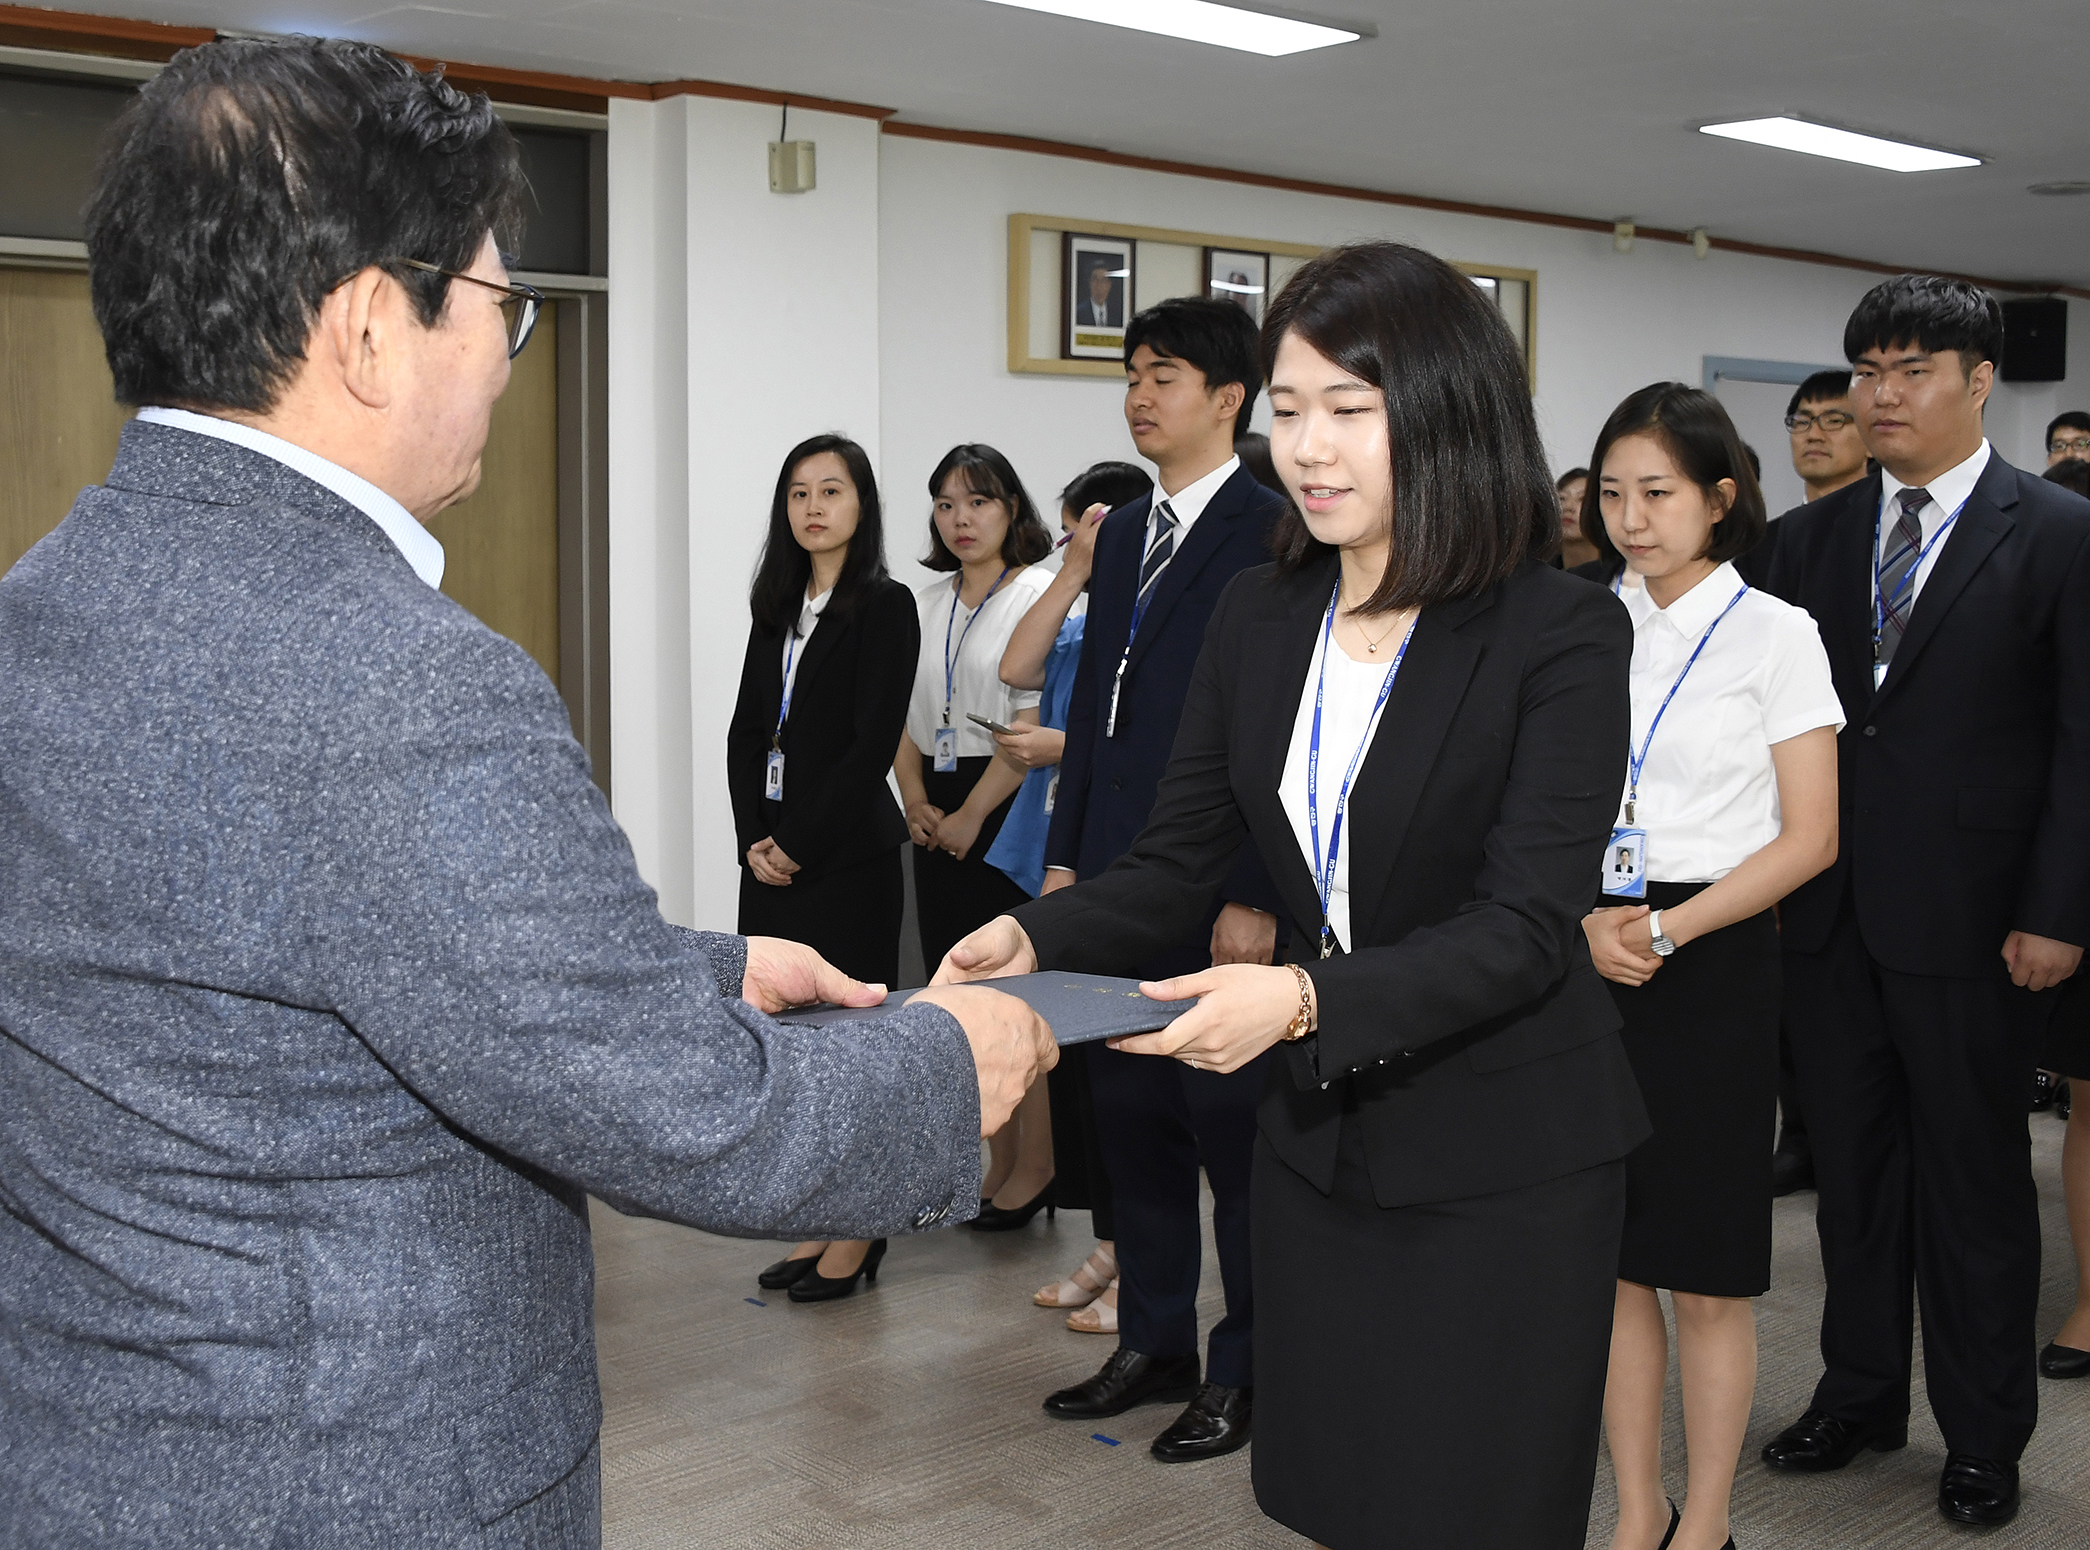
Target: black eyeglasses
(519, 307)
(1828, 420)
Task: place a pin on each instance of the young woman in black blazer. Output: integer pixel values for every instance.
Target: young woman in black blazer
(1438, 1188)
(819, 832)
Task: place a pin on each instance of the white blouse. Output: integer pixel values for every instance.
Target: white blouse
(1350, 714)
(795, 644)
(1708, 795)
(975, 664)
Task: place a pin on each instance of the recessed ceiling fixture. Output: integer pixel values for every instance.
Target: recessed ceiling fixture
(1796, 134)
(1202, 21)
(2061, 189)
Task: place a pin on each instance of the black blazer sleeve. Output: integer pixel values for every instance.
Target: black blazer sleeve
(887, 640)
(2055, 901)
(747, 736)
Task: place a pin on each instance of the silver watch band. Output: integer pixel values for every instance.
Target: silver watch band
(1662, 945)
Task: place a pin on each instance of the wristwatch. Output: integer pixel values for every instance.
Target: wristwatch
(1662, 945)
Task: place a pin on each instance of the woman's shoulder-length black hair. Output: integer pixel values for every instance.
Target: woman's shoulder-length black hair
(986, 472)
(786, 570)
(1694, 429)
(1472, 494)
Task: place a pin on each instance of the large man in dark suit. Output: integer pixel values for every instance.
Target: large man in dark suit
(328, 987)
(1953, 595)
(1161, 563)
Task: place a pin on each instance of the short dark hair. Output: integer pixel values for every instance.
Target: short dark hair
(1694, 429)
(1560, 485)
(1930, 313)
(2071, 473)
(2070, 419)
(1819, 388)
(988, 473)
(786, 570)
(249, 178)
(1111, 484)
(1217, 337)
(1472, 497)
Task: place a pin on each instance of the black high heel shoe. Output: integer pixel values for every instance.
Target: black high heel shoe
(815, 1287)
(1676, 1519)
(993, 1219)
(787, 1272)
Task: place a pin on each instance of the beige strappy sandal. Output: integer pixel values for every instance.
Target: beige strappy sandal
(1088, 1282)
(1099, 1317)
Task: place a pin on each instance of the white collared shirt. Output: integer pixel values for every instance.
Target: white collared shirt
(975, 658)
(1188, 503)
(420, 547)
(1708, 795)
(794, 651)
(1948, 492)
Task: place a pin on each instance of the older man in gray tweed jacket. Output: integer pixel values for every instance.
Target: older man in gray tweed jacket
(328, 988)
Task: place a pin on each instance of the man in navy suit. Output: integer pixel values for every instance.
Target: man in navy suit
(1953, 595)
(1161, 564)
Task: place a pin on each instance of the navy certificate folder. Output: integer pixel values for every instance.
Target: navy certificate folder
(1079, 1008)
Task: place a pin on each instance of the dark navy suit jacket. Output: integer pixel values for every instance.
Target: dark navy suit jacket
(1965, 780)
(1107, 784)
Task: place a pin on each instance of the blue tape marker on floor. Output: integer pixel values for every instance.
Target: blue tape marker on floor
(1099, 1437)
(758, 1302)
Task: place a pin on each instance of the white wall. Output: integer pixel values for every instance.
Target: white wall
(743, 321)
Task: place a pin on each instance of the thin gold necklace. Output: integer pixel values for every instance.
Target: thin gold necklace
(1371, 645)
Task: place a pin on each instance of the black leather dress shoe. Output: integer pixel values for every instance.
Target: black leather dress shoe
(786, 1272)
(1127, 1379)
(1791, 1172)
(1977, 1491)
(2064, 1361)
(815, 1287)
(1819, 1442)
(1213, 1423)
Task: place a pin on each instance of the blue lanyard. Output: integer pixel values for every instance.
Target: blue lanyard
(783, 714)
(1637, 761)
(950, 661)
(1324, 868)
(1880, 601)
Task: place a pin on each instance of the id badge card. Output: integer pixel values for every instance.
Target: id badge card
(773, 776)
(946, 750)
(1625, 864)
(1052, 790)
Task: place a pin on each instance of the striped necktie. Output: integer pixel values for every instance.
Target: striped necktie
(1164, 546)
(1897, 587)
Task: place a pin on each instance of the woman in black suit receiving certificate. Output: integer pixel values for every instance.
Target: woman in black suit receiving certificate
(1421, 724)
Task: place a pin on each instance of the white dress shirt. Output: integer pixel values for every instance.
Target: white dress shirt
(975, 664)
(794, 649)
(1350, 714)
(1708, 792)
(1948, 492)
(1188, 504)
(412, 540)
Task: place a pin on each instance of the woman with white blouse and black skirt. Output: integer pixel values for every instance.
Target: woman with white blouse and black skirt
(1729, 804)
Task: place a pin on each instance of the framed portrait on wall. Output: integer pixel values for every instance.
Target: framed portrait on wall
(1097, 296)
(1241, 278)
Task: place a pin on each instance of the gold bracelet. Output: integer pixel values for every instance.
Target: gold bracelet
(1302, 1022)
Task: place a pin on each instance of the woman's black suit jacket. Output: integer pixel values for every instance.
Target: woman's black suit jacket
(1480, 1044)
(848, 704)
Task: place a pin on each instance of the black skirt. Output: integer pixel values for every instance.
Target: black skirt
(1703, 1039)
(2067, 1046)
(850, 916)
(1430, 1375)
(952, 898)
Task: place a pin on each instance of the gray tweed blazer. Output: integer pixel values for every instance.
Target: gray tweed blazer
(327, 989)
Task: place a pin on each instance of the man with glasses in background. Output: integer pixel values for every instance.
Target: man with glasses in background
(1827, 451)
(2068, 435)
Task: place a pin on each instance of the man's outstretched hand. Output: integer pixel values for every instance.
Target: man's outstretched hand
(784, 974)
(1011, 1045)
(997, 949)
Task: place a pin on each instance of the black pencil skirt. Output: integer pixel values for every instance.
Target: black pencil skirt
(1431, 1376)
(850, 916)
(1703, 1039)
(953, 898)
(2067, 1045)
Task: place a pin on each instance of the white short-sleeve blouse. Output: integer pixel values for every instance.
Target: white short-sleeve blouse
(975, 658)
(1708, 794)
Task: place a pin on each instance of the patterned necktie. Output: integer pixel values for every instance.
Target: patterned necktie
(1897, 586)
(1164, 546)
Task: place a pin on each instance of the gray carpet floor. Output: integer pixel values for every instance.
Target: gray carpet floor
(908, 1415)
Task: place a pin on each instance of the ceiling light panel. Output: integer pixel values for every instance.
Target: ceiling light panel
(1201, 21)
(1797, 134)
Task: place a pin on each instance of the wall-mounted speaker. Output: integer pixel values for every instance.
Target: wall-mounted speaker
(2035, 339)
